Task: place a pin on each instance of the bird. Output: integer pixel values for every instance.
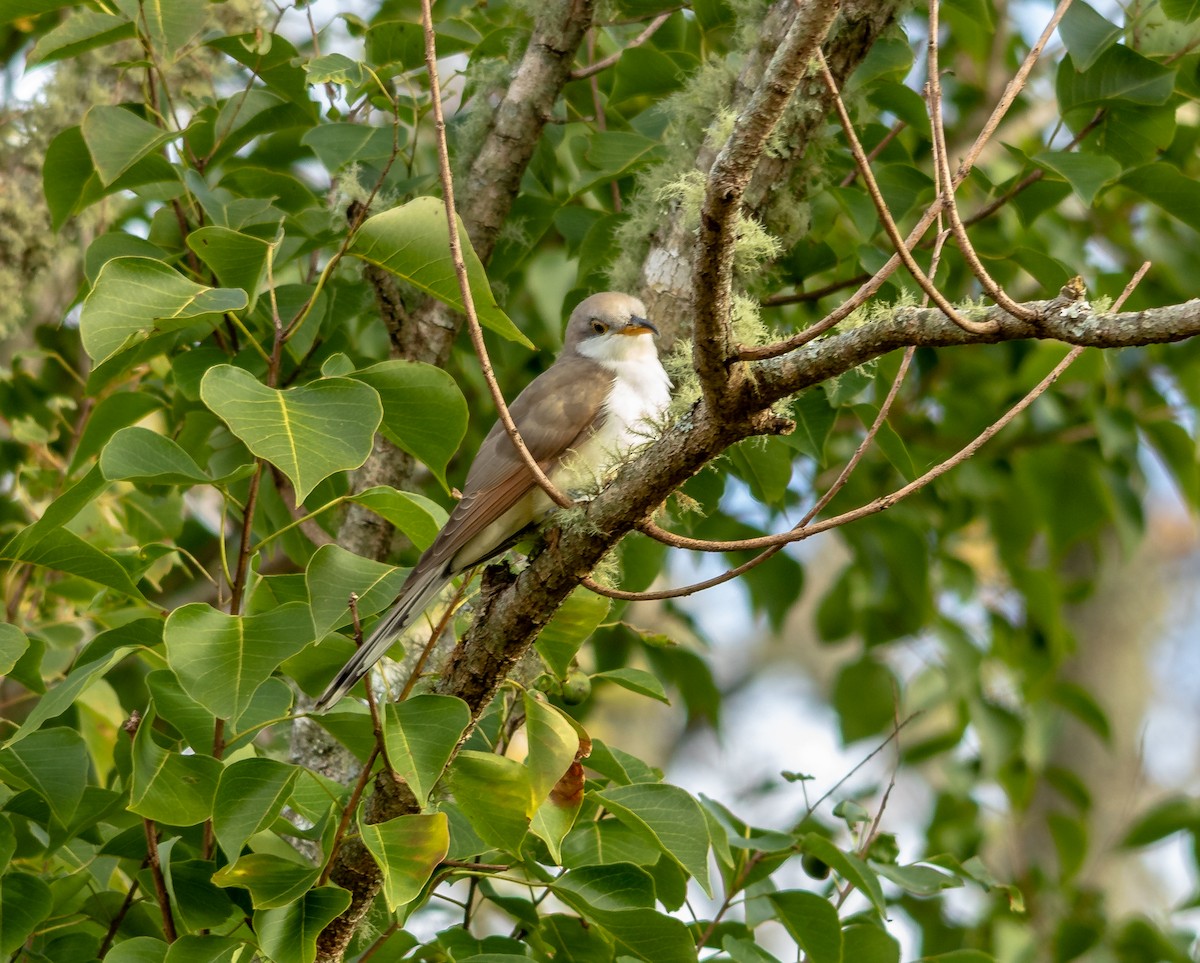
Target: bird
(602, 396)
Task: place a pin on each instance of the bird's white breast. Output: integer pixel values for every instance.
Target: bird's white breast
(637, 402)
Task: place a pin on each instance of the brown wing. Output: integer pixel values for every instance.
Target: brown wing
(556, 412)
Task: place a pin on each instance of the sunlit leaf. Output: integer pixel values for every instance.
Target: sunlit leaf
(412, 242)
(407, 849)
(308, 432)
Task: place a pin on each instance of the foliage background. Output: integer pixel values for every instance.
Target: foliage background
(173, 198)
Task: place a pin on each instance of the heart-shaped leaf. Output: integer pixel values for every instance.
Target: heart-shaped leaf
(222, 659)
(308, 433)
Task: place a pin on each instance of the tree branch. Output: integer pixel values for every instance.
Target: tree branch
(712, 276)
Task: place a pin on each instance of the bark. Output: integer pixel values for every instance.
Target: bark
(667, 271)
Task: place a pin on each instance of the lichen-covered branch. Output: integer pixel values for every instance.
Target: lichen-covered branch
(712, 280)
(665, 281)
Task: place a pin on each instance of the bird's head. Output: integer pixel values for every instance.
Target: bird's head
(610, 326)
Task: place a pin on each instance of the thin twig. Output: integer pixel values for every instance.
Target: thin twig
(115, 924)
(894, 734)
(863, 294)
(875, 151)
(460, 269)
(582, 73)
(1129, 288)
(800, 297)
(946, 182)
(885, 215)
(438, 629)
(160, 884)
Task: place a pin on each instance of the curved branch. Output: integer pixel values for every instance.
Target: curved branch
(885, 216)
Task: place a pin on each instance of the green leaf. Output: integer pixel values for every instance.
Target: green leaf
(1118, 74)
(420, 734)
(146, 457)
(765, 464)
(62, 696)
(170, 787)
(493, 793)
(864, 943)
(864, 696)
(1084, 707)
(918, 880)
(849, 867)
(309, 432)
(222, 659)
(169, 24)
(134, 297)
(575, 620)
(408, 850)
(636, 680)
(333, 574)
(415, 515)
(192, 948)
(65, 174)
(118, 138)
(238, 260)
(139, 949)
(290, 932)
(1182, 11)
(337, 145)
(553, 744)
(335, 68)
(1086, 173)
(617, 886)
(82, 30)
(814, 423)
(64, 551)
(619, 899)
(746, 951)
(13, 644)
(251, 793)
(1163, 185)
(1070, 843)
(24, 902)
(668, 817)
(812, 922)
(110, 415)
(51, 762)
(412, 242)
(273, 881)
(198, 904)
(1174, 815)
(1086, 33)
(424, 412)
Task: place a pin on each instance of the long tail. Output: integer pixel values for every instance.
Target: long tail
(417, 593)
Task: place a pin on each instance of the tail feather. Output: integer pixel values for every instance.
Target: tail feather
(417, 593)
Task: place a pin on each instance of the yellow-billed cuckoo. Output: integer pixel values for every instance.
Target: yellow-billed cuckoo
(600, 398)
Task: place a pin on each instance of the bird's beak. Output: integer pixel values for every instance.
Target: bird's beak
(636, 325)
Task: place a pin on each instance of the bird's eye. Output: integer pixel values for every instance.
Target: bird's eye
(599, 327)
